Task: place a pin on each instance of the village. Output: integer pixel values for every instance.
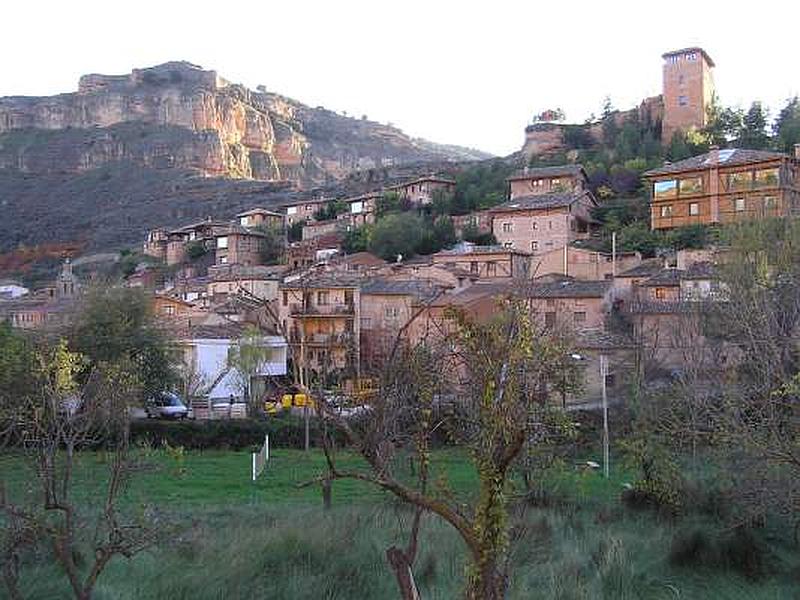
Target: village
(571, 372)
(338, 314)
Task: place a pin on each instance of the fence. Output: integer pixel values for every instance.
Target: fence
(260, 458)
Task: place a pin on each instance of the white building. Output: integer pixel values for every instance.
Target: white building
(205, 355)
(10, 290)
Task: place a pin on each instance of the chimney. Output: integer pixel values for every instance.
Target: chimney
(797, 151)
(713, 155)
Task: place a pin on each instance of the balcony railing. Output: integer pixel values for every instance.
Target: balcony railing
(322, 310)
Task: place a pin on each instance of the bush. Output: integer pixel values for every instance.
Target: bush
(738, 551)
(284, 432)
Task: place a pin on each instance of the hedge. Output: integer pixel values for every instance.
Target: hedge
(235, 434)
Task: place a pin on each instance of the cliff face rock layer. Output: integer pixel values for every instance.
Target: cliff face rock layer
(178, 115)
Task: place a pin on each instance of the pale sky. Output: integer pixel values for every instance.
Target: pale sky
(460, 72)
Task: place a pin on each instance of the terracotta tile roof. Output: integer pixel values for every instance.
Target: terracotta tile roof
(665, 277)
(542, 201)
(701, 270)
(423, 290)
(260, 211)
(568, 288)
(727, 158)
(647, 268)
(540, 172)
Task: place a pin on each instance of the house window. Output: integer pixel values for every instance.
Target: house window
(554, 183)
(473, 267)
(534, 225)
(356, 207)
(169, 310)
(691, 185)
(549, 224)
(550, 319)
(738, 205)
(508, 227)
(766, 178)
(291, 210)
(740, 181)
(223, 260)
(508, 244)
(579, 318)
(309, 208)
(222, 243)
(322, 298)
(683, 100)
(534, 246)
(665, 189)
(285, 298)
(366, 323)
(691, 56)
(661, 294)
(666, 211)
(770, 202)
(392, 312)
(694, 209)
(491, 269)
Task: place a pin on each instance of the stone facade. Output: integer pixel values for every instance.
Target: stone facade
(688, 91)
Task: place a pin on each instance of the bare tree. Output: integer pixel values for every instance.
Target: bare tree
(51, 426)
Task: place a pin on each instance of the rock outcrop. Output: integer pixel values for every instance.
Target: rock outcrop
(178, 115)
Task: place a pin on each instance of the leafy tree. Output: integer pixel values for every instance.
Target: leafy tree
(273, 245)
(609, 123)
(436, 236)
(116, 324)
(247, 359)
(396, 234)
(391, 202)
(330, 210)
(754, 128)
(679, 147)
(295, 231)
(787, 126)
(17, 364)
(196, 250)
(471, 233)
(724, 124)
(356, 239)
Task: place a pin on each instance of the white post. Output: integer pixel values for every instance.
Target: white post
(266, 446)
(603, 374)
(253, 466)
(614, 254)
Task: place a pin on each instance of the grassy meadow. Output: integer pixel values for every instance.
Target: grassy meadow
(227, 537)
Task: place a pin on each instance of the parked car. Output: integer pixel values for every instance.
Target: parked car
(166, 405)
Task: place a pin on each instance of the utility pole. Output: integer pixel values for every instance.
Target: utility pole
(603, 375)
(614, 254)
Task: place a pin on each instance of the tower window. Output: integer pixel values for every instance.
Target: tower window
(683, 100)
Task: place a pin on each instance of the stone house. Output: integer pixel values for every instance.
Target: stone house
(261, 217)
(724, 186)
(171, 306)
(582, 263)
(155, 244)
(539, 223)
(487, 262)
(688, 91)
(255, 282)
(563, 302)
(321, 315)
(202, 233)
(304, 211)
(238, 245)
(360, 209)
(424, 189)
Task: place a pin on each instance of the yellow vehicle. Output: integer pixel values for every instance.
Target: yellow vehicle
(288, 401)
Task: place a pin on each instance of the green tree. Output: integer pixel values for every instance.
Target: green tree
(754, 128)
(196, 250)
(397, 234)
(724, 124)
(115, 324)
(17, 364)
(356, 239)
(295, 231)
(247, 359)
(273, 245)
(787, 126)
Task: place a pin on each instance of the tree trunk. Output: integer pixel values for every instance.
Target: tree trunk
(403, 574)
(487, 583)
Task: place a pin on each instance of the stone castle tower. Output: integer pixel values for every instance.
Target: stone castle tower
(688, 90)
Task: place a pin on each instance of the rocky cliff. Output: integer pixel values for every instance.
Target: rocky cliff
(178, 115)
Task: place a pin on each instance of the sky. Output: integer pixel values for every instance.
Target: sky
(457, 72)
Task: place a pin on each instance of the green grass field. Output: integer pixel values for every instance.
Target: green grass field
(226, 537)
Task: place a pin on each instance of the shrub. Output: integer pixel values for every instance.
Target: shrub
(738, 551)
(284, 432)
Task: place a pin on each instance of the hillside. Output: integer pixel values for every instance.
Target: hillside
(171, 143)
